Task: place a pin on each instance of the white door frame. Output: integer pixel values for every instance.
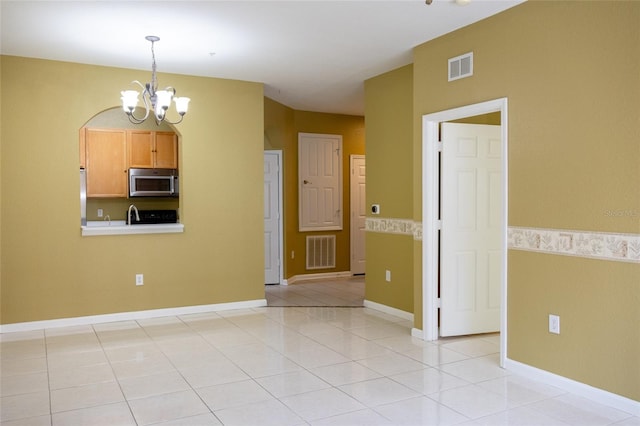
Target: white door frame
(278, 154)
(430, 209)
(353, 229)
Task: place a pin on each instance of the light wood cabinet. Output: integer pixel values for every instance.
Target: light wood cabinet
(106, 162)
(149, 149)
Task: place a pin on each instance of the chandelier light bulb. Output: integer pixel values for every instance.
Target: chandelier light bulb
(129, 100)
(182, 105)
(163, 99)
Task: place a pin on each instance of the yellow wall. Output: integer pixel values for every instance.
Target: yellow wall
(282, 125)
(389, 114)
(570, 71)
(49, 271)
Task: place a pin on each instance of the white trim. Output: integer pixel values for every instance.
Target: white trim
(389, 310)
(135, 315)
(319, 276)
(430, 208)
(417, 333)
(600, 396)
(162, 228)
(278, 153)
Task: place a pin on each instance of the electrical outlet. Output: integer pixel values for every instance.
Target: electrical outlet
(100, 212)
(387, 275)
(139, 279)
(554, 324)
(293, 254)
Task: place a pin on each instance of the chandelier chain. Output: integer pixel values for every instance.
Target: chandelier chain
(154, 84)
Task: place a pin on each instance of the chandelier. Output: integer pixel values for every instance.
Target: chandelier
(153, 99)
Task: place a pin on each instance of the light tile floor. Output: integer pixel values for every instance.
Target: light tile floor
(272, 366)
(337, 292)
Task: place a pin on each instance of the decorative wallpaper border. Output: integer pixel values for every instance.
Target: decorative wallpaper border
(596, 245)
(394, 226)
(589, 244)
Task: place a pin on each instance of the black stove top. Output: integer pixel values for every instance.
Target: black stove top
(154, 216)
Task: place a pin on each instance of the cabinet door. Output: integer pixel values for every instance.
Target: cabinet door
(166, 150)
(140, 148)
(106, 162)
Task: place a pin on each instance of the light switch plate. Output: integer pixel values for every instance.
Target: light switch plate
(554, 324)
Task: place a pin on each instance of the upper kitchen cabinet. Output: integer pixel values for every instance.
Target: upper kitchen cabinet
(106, 162)
(152, 149)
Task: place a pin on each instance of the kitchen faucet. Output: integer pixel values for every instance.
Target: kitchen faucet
(129, 214)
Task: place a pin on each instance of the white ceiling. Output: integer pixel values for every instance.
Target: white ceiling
(311, 55)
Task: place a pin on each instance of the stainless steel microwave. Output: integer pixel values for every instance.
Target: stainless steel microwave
(153, 183)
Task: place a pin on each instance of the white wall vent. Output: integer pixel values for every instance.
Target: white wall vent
(461, 66)
(321, 252)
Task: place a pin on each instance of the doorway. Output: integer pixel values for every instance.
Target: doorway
(431, 199)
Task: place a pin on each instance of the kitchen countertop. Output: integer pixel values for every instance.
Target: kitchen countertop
(119, 227)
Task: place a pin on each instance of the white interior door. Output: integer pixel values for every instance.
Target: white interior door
(358, 213)
(471, 251)
(272, 225)
(320, 182)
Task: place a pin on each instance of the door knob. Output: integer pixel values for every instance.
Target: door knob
(305, 181)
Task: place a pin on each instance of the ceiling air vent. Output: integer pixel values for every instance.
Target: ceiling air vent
(461, 66)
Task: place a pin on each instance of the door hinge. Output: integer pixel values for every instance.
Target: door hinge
(439, 224)
(338, 151)
(438, 303)
(439, 146)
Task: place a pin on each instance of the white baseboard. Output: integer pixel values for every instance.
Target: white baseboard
(601, 396)
(126, 316)
(313, 277)
(389, 310)
(416, 332)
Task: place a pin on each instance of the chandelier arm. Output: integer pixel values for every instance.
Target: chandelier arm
(131, 115)
(171, 122)
(134, 120)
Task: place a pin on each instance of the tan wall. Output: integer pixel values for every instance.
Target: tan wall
(282, 125)
(49, 271)
(389, 115)
(570, 71)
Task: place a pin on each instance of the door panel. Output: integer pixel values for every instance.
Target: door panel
(358, 214)
(470, 236)
(106, 161)
(166, 150)
(271, 219)
(320, 182)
